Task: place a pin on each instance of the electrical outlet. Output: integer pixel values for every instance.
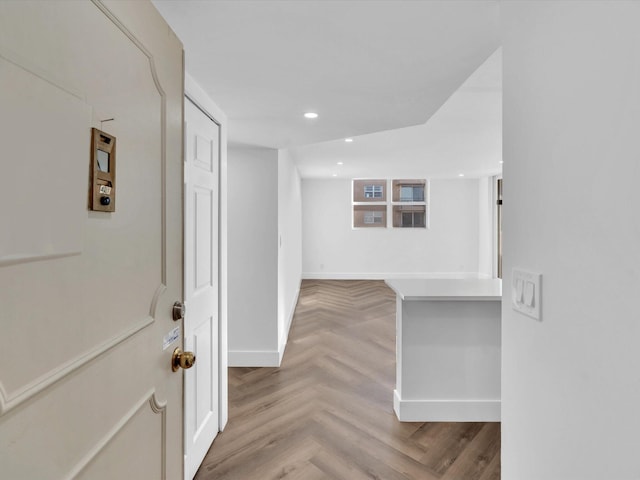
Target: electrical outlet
(526, 294)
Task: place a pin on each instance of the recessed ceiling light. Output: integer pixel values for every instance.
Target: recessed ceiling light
(340, 163)
(348, 140)
(334, 175)
(461, 174)
(311, 115)
(501, 161)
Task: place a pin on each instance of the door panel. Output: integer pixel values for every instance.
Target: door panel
(203, 335)
(86, 296)
(202, 160)
(144, 425)
(203, 205)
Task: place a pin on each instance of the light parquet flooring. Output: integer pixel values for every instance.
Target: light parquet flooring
(327, 412)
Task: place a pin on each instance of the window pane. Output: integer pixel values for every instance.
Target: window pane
(373, 191)
(406, 194)
(370, 216)
(369, 190)
(409, 216)
(410, 190)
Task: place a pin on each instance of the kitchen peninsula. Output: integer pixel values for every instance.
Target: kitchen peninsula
(448, 349)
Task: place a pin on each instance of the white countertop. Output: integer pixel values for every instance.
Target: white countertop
(447, 289)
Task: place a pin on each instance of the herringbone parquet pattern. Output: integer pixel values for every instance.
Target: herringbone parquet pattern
(327, 412)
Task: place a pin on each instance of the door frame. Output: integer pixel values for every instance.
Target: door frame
(497, 185)
(195, 94)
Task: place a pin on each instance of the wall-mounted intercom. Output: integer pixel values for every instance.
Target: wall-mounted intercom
(102, 189)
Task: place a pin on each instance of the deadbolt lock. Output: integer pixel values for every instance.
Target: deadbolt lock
(178, 311)
(181, 359)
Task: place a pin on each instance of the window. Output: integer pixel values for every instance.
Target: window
(407, 203)
(369, 190)
(373, 191)
(372, 217)
(370, 203)
(408, 190)
(413, 193)
(413, 216)
(368, 216)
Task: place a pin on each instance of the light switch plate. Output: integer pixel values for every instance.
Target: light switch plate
(526, 294)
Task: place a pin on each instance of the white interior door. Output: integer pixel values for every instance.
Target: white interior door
(86, 387)
(201, 335)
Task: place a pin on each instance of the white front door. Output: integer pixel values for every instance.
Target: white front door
(201, 334)
(86, 386)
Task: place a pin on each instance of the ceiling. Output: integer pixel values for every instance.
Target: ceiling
(363, 65)
(463, 137)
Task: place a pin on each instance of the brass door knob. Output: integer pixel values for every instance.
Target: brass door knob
(181, 359)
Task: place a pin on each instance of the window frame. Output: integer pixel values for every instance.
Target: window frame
(401, 204)
(360, 213)
(363, 207)
(359, 188)
(374, 190)
(399, 212)
(373, 217)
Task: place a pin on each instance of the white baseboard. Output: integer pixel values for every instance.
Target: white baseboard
(254, 358)
(387, 276)
(446, 410)
(265, 358)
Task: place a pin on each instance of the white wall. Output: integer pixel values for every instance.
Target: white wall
(333, 249)
(290, 244)
(253, 259)
(265, 253)
(571, 382)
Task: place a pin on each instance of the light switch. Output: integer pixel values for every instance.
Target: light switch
(529, 292)
(526, 293)
(519, 290)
